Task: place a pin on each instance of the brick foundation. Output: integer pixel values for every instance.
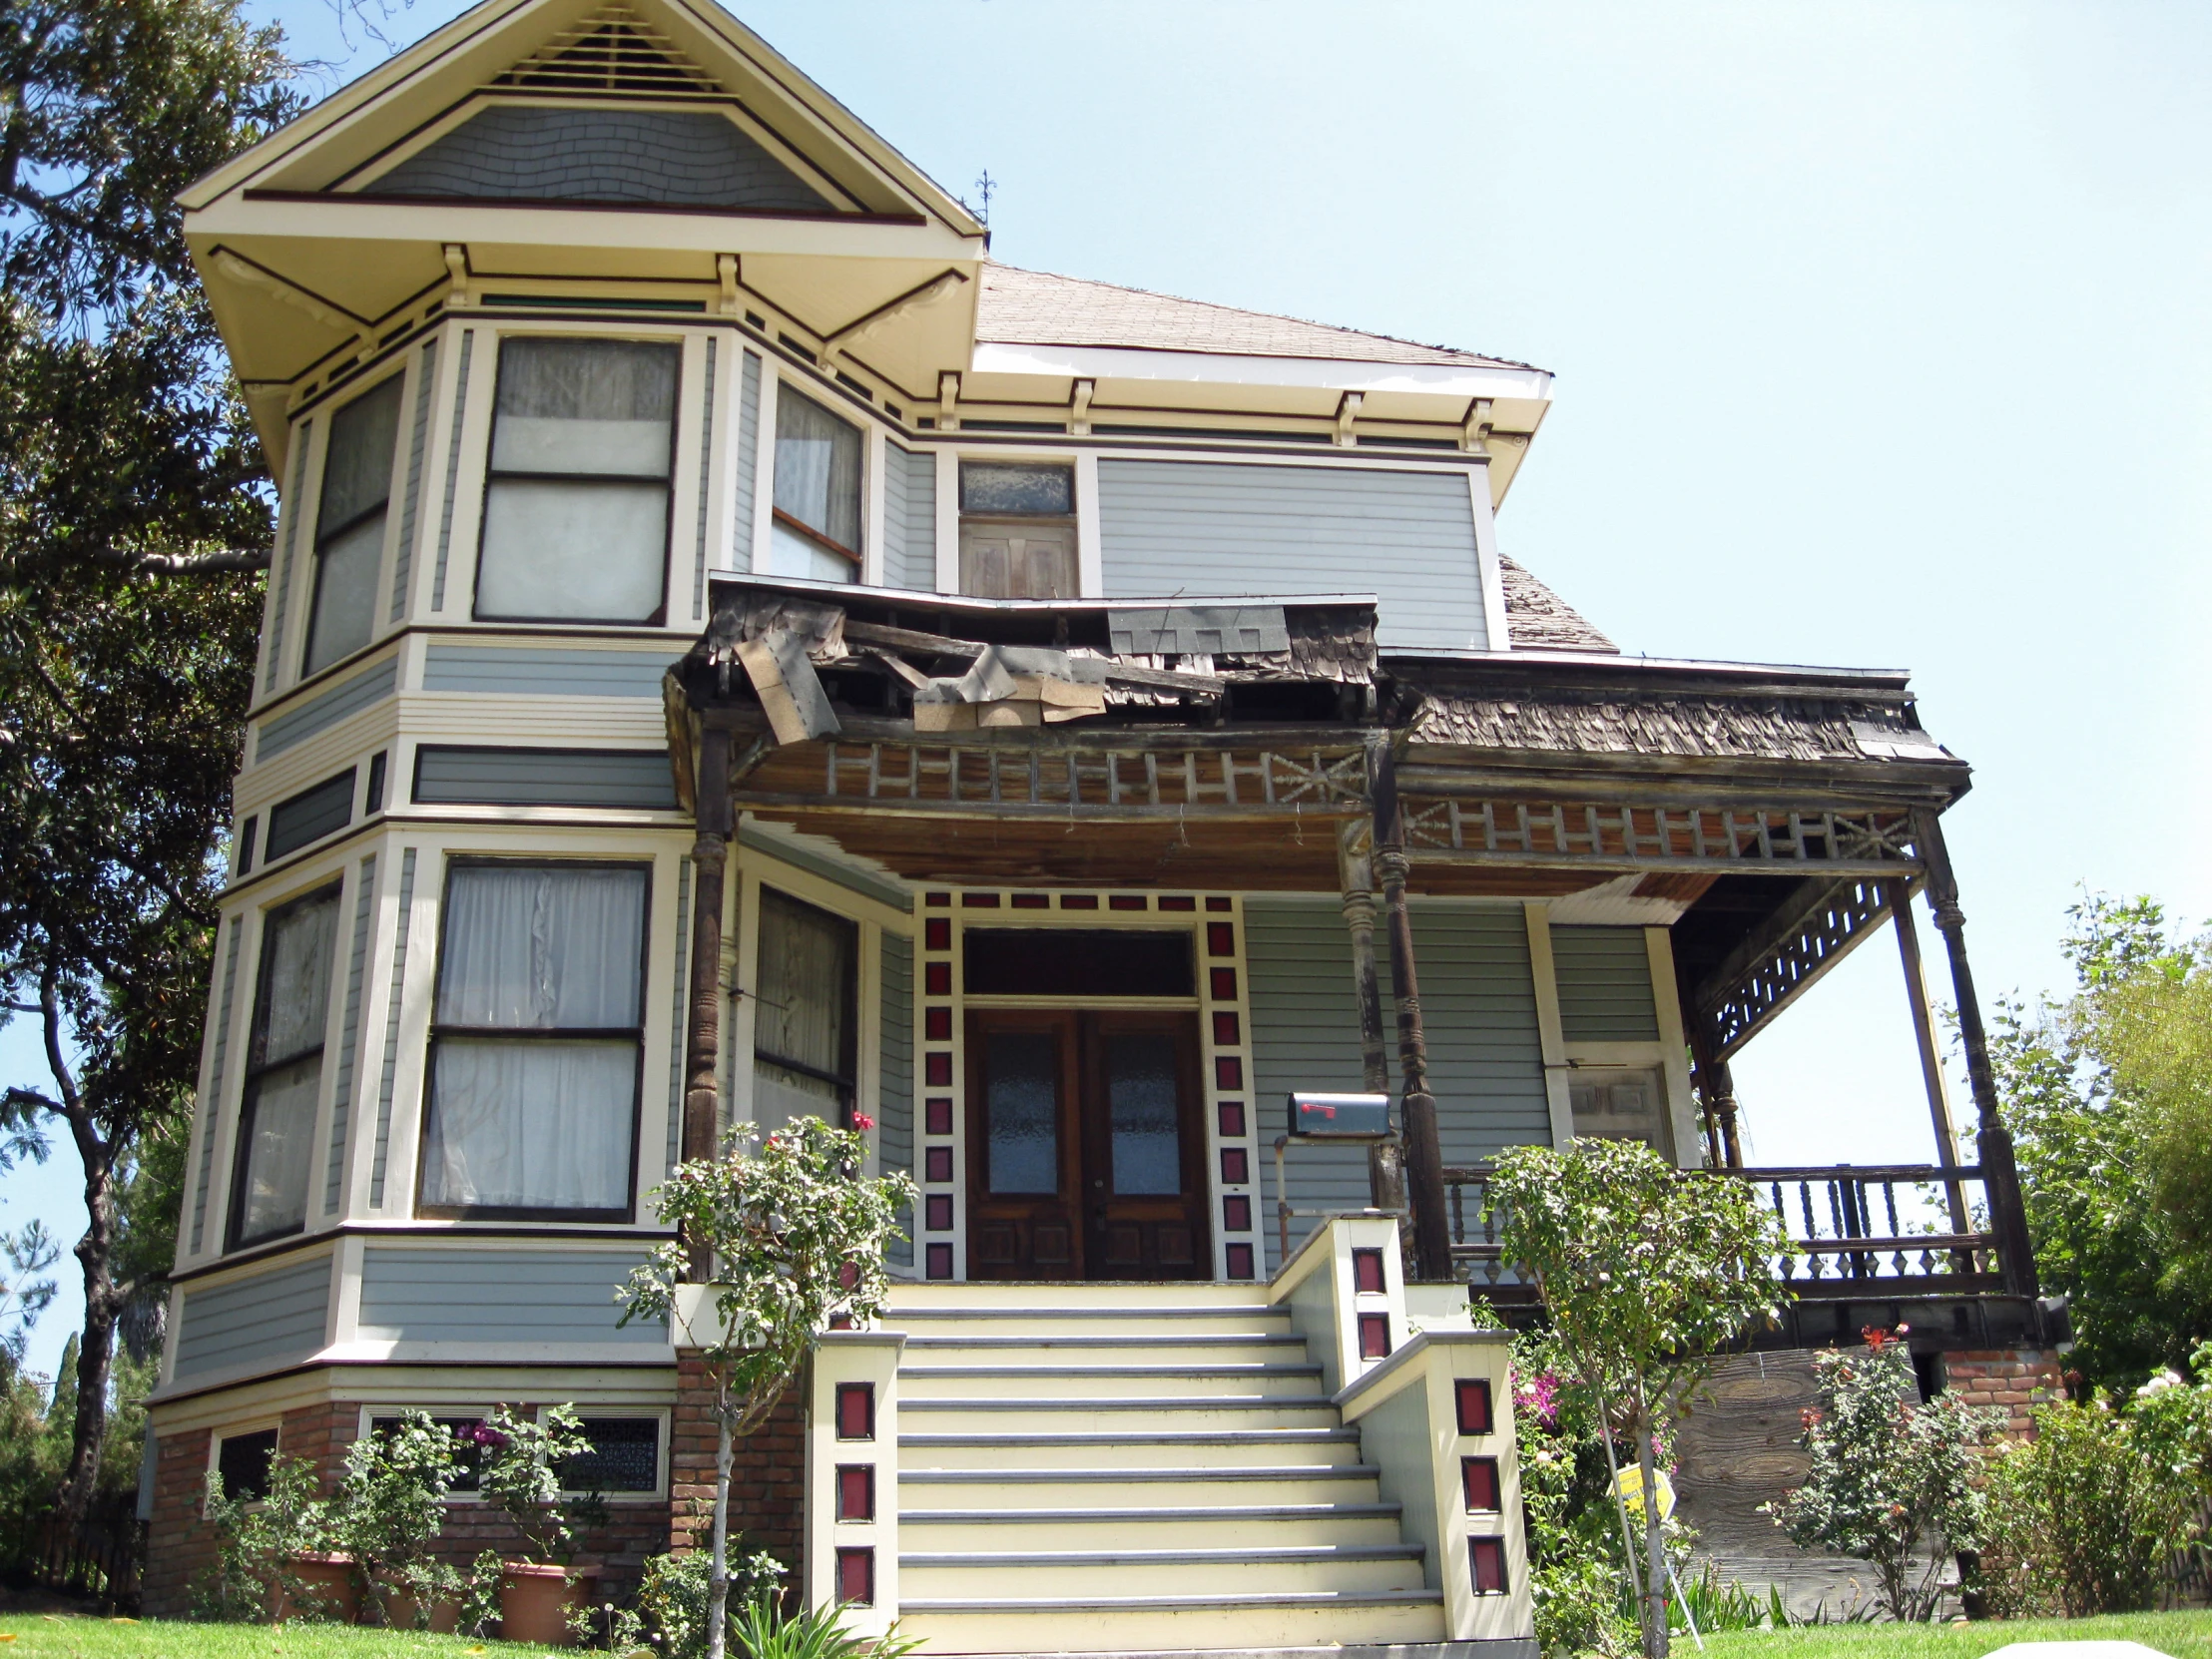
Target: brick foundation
(767, 1477)
(2015, 1380)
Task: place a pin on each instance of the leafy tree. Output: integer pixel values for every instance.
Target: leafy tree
(795, 1234)
(1646, 1272)
(2109, 1096)
(1889, 1476)
(26, 1292)
(134, 516)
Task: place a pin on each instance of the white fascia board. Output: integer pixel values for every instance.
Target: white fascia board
(1113, 362)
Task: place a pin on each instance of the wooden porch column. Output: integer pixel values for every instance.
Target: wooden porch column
(1900, 894)
(703, 1025)
(2001, 1176)
(1425, 1161)
(1385, 1159)
(1714, 1086)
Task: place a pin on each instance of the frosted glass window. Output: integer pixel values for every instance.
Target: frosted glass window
(804, 1053)
(536, 1041)
(350, 524)
(284, 1079)
(1021, 1110)
(818, 491)
(576, 499)
(1141, 1102)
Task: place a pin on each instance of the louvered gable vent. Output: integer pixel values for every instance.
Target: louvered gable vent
(611, 50)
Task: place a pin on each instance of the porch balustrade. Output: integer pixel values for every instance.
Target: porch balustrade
(1918, 1229)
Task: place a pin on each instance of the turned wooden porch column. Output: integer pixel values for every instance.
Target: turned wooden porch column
(702, 1024)
(2000, 1177)
(1425, 1162)
(1385, 1159)
(1899, 895)
(1714, 1086)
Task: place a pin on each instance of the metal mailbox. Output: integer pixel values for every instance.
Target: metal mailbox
(1341, 1117)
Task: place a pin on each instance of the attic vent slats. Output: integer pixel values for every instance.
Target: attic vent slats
(610, 51)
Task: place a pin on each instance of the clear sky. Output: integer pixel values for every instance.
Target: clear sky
(1881, 331)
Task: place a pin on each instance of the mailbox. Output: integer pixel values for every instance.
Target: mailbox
(1341, 1117)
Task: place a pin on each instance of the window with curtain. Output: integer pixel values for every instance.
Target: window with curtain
(284, 1076)
(805, 989)
(576, 498)
(350, 524)
(815, 530)
(536, 1041)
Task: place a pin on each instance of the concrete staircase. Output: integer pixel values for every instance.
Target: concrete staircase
(1131, 1469)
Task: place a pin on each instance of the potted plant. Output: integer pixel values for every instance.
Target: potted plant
(521, 1474)
(273, 1555)
(390, 1508)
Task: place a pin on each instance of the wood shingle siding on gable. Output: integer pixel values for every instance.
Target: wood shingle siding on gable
(1478, 1007)
(894, 1110)
(666, 158)
(497, 1296)
(325, 708)
(1407, 537)
(259, 1319)
(1605, 991)
(455, 775)
(543, 671)
(909, 519)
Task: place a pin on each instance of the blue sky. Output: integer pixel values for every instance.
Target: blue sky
(1881, 338)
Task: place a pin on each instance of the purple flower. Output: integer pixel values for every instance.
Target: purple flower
(483, 1434)
(1540, 1395)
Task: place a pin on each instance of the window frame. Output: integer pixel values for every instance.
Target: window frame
(438, 1030)
(239, 1432)
(492, 475)
(326, 533)
(660, 1417)
(1076, 518)
(771, 437)
(848, 1086)
(257, 1066)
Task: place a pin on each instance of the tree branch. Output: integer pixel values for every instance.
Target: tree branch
(187, 564)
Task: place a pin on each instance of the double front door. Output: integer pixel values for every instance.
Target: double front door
(1086, 1148)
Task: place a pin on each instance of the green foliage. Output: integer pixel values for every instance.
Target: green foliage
(2083, 1519)
(389, 1510)
(521, 1474)
(25, 1290)
(814, 1633)
(671, 1610)
(2108, 1094)
(257, 1545)
(1892, 1480)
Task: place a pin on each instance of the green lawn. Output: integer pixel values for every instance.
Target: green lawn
(2185, 1635)
(54, 1637)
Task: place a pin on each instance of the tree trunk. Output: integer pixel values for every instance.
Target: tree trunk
(717, 1560)
(1655, 1547)
(95, 1252)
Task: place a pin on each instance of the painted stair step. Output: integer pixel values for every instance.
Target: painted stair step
(1202, 1449)
(1172, 1342)
(1368, 1525)
(1132, 1624)
(984, 1491)
(1262, 1471)
(1075, 1384)
(1157, 1574)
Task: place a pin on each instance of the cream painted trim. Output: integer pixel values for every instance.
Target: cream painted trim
(1497, 634)
(1100, 362)
(396, 1388)
(660, 1415)
(1090, 552)
(875, 500)
(1549, 1030)
(763, 461)
(949, 520)
(1675, 1048)
(346, 1303)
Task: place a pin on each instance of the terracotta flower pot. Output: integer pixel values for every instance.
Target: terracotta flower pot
(329, 1589)
(535, 1600)
(401, 1606)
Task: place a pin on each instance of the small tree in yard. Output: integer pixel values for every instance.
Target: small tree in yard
(1890, 1476)
(796, 1233)
(391, 1507)
(1646, 1272)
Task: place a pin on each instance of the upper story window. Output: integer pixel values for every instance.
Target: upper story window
(1017, 530)
(284, 1075)
(350, 524)
(576, 499)
(803, 1030)
(815, 530)
(536, 1039)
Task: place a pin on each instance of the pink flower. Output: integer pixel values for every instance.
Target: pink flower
(861, 1120)
(1539, 1396)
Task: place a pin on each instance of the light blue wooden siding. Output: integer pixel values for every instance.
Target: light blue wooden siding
(705, 472)
(452, 470)
(411, 502)
(741, 470)
(909, 519)
(1204, 527)
(390, 1071)
(544, 670)
(326, 708)
(895, 1098)
(1605, 993)
(350, 1034)
(259, 1321)
(638, 778)
(294, 505)
(497, 1296)
(1479, 1009)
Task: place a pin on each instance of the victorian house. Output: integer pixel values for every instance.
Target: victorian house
(734, 650)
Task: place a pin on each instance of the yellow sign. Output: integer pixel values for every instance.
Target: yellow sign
(1629, 1488)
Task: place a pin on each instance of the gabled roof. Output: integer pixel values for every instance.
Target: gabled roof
(1035, 307)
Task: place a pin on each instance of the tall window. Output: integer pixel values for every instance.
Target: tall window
(816, 526)
(536, 1042)
(576, 501)
(350, 524)
(1017, 530)
(284, 1077)
(803, 1054)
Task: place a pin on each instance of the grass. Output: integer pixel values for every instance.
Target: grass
(72, 1636)
(2185, 1635)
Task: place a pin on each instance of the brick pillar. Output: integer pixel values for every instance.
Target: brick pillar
(767, 1477)
(2015, 1380)
(178, 1549)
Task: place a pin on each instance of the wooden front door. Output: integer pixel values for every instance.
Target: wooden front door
(1086, 1149)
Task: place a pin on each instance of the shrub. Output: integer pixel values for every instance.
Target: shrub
(1889, 1477)
(258, 1542)
(671, 1610)
(391, 1506)
(520, 1474)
